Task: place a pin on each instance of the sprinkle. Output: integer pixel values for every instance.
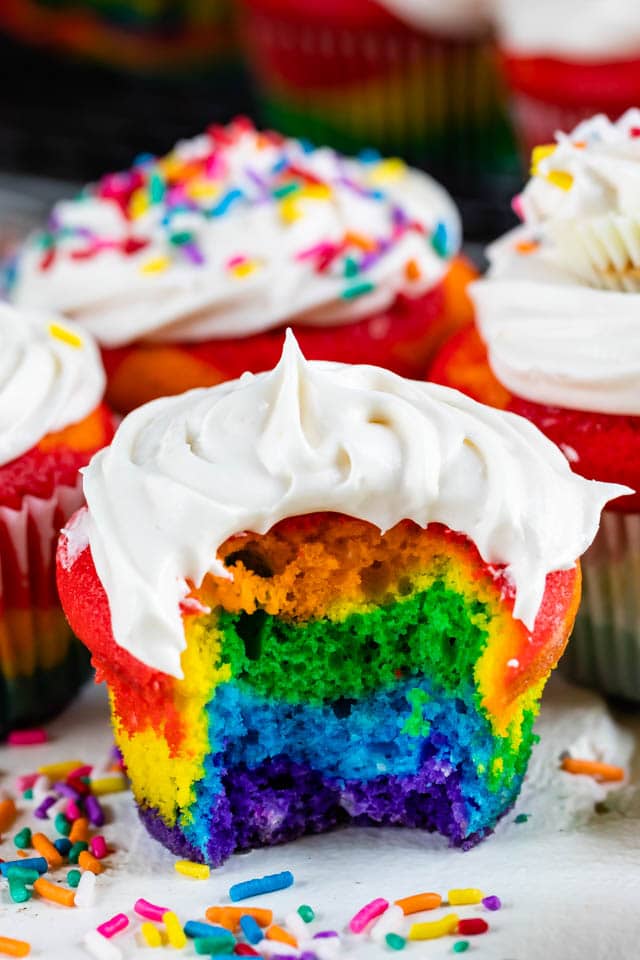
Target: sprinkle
(63, 846)
(156, 265)
(260, 885)
(197, 871)
(326, 935)
(98, 847)
(251, 929)
(208, 946)
(518, 207)
(46, 849)
(358, 291)
(435, 929)
(539, 154)
(419, 902)
(59, 771)
(244, 269)
(526, 246)
(226, 202)
(25, 781)
(27, 738)
(157, 188)
(462, 896)
(86, 891)
(41, 810)
(73, 810)
(79, 830)
(560, 179)
(367, 244)
(22, 839)
(101, 948)
(440, 239)
(76, 850)
(232, 915)
(286, 190)
(395, 941)
(62, 825)
(87, 861)
(115, 925)
(289, 209)
(195, 928)
(51, 891)
(522, 818)
(175, 933)
(149, 911)
(151, 935)
(8, 814)
(492, 902)
(193, 253)
(244, 950)
(282, 936)
(73, 878)
(179, 239)
(351, 267)
(14, 948)
(472, 926)
(306, 912)
(412, 270)
(387, 171)
(94, 810)
(391, 921)
(32, 863)
(368, 913)
(461, 946)
(604, 772)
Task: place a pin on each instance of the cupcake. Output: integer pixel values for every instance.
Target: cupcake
(558, 343)
(414, 77)
(186, 269)
(52, 421)
(565, 60)
(347, 615)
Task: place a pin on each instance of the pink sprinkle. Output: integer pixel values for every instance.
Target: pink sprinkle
(150, 911)
(98, 846)
(320, 249)
(26, 781)
(73, 810)
(236, 261)
(79, 772)
(368, 913)
(516, 206)
(26, 738)
(109, 928)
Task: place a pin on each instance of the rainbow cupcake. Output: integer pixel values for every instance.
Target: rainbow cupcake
(321, 595)
(187, 268)
(53, 421)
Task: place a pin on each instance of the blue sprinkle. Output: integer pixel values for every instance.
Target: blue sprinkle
(229, 198)
(260, 885)
(440, 239)
(370, 155)
(307, 145)
(280, 165)
(143, 158)
(62, 845)
(196, 928)
(251, 929)
(29, 863)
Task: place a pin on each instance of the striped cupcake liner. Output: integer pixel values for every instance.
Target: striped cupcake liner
(604, 650)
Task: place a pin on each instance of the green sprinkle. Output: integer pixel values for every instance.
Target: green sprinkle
(28, 794)
(395, 941)
(23, 874)
(306, 912)
(440, 240)
(73, 878)
(18, 891)
(285, 190)
(461, 946)
(62, 825)
(181, 239)
(47, 241)
(22, 840)
(522, 817)
(359, 290)
(207, 946)
(351, 268)
(157, 188)
(76, 850)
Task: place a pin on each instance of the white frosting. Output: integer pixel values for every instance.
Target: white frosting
(185, 473)
(113, 295)
(459, 17)
(580, 29)
(46, 383)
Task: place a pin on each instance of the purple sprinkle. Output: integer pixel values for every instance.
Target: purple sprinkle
(492, 903)
(94, 810)
(193, 253)
(308, 955)
(41, 811)
(399, 217)
(325, 934)
(64, 790)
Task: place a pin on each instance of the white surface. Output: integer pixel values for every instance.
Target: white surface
(568, 878)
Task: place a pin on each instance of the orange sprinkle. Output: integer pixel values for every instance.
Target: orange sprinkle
(47, 850)
(227, 915)
(527, 246)
(79, 830)
(419, 902)
(14, 948)
(282, 936)
(412, 270)
(591, 768)
(87, 861)
(579, 144)
(23, 854)
(360, 240)
(51, 891)
(8, 814)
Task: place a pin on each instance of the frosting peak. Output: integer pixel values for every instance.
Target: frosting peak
(185, 473)
(235, 232)
(51, 377)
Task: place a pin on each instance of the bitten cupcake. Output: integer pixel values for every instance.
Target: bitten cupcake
(416, 77)
(560, 344)
(325, 594)
(51, 422)
(186, 268)
(565, 60)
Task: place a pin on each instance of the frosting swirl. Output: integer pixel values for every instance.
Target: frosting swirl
(235, 232)
(312, 436)
(51, 377)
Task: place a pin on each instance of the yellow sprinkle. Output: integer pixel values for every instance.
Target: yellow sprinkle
(61, 333)
(316, 191)
(539, 154)
(175, 933)
(157, 265)
(462, 896)
(170, 166)
(108, 785)
(387, 171)
(199, 871)
(139, 203)
(59, 771)
(202, 190)
(151, 934)
(435, 928)
(244, 269)
(561, 179)
(289, 210)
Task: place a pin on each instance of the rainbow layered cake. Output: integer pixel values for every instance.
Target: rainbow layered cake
(51, 422)
(321, 595)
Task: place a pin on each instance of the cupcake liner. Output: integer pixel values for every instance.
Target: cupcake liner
(41, 663)
(604, 651)
(603, 252)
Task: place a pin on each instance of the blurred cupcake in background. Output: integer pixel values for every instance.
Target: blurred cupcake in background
(414, 77)
(188, 268)
(565, 60)
(52, 421)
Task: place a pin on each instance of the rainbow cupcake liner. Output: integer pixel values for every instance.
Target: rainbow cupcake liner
(604, 651)
(41, 663)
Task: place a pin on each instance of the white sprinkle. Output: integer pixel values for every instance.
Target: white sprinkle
(391, 921)
(40, 788)
(296, 925)
(86, 890)
(99, 947)
(513, 663)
